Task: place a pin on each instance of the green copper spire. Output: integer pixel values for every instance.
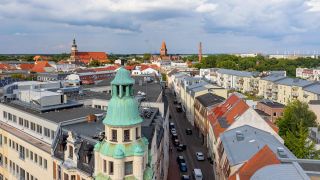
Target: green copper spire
(123, 108)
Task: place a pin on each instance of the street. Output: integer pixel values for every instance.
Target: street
(193, 143)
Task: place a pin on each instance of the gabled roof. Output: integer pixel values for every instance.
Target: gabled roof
(225, 114)
(209, 99)
(26, 66)
(40, 66)
(6, 67)
(262, 158)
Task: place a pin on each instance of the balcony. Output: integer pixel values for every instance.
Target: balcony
(295, 94)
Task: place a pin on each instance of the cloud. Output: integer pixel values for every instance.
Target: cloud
(206, 8)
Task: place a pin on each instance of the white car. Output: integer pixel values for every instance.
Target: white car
(197, 174)
(173, 131)
(200, 156)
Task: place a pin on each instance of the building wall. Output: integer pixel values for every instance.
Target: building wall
(274, 113)
(316, 109)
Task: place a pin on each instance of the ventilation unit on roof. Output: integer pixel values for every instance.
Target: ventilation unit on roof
(281, 152)
(239, 136)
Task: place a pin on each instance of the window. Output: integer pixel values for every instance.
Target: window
(33, 126)
(39, 129)
(274, 114)
(137, 133)
(0, 139)
(17, 147)
(40, 161)
(26, 123)
(70, 152)
(20, 121)
(1, 160)
(27, 153)
(45, 163)
(31, 155)
(114, 135)
(9, 142)
(21, 152)
(110, 167)
(128, 168)
(14, 118)
(5, 140)
(47, 132)
(104, 166)
(35, 158)
(10, 116)
(73, 177)
(126, 135)
(52, 134)
(13, 144)
(5, 115)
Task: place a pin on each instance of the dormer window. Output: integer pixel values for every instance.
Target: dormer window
(70, 152)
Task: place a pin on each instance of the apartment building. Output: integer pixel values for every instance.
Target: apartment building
(309, 74)
(202, 108)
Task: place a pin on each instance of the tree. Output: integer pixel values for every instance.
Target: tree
(227, 65)
(94, 63)
(295, 113)
(293, 127)
(146, 57)
(300, 145)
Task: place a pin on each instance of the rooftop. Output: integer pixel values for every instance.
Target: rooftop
(236, 73)
(239, 151)
(294, 82)
(272, 104)
(273, 78)
(313, 88)
(209, 99)
(59, 116)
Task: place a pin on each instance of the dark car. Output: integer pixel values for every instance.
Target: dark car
(185, 177)
(180, 159)
(171, 125)
(174, 136)
(188, 131)
(179, 108)
(175, 102)
(181, 147)
(176, 142)
(183, 167)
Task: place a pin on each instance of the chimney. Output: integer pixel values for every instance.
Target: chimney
(200, 52)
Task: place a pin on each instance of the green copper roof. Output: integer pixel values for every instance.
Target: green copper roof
(119, 151)
(122, 112)
(122, 77)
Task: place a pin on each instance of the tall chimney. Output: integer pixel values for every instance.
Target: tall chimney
(200, 52)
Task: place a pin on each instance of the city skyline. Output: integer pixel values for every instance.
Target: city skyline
(140, 26)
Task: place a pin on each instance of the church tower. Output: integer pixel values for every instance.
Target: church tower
(74, 50)
(123, 154)
(163, 49)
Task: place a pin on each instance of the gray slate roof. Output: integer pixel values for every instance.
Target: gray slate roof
(254, 139)
(209, 99)
(236, 73)
(273, 78)
(314, 88)
(294, 82)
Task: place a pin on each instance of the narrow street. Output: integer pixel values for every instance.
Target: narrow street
(193, 143)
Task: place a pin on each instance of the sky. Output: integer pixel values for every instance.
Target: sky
(139, 26)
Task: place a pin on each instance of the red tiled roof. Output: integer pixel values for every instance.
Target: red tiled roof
(109, 68)
(40, 66)
(130, 67)
(262, 158)
(26, 66)
(229, 110)
(86, 57)
(146, 66)
(6, 67)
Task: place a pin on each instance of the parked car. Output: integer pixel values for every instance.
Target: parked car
(185, 177)
(181, 147)
(173, 131)
(179, 108)
(200, 156)
(188, 131)
(174, 136)
(197, 174)
(183, 167)
(175, 102)
(180, 159)
(176, 142)
(171, 125)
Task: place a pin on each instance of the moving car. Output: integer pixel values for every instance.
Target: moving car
(197, 174)
(171, 125)
(173, 130)
(188, 131)
(200, 156)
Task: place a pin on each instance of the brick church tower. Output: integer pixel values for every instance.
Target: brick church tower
(163, 49)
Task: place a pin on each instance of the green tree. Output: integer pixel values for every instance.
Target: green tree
(146, 57)
(227, 65)
(299, 144)
(295, 113)
(94, 63)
